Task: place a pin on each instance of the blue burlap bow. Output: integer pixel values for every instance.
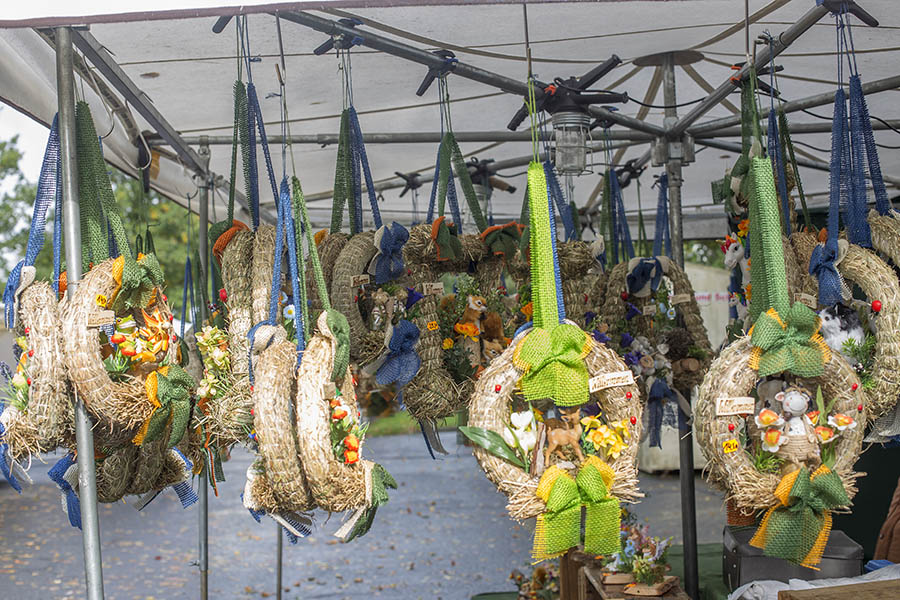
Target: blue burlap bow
(821, 264)
(659, 391)
(402, 362)
(6, 463)
(388, 262)
(58, 475)
(647, 269)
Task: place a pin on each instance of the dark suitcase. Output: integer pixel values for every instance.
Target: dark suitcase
(743, 563)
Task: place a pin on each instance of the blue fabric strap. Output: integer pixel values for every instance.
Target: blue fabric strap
(882, 204)
(57, 475)
(554, 191)
(822, 261)
(857, 224)
(560, 305)
(661, 234)
(48, 191)
(255, 116)
(659, 392)
(647, 269)
(623, 232)
(360, 160)
(429, 216)
(776, 155)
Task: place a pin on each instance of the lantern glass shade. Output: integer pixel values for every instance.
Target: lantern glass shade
(571, 134)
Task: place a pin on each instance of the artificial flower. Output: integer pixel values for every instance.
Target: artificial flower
(447, 343)
(621, 427)
(19, 380)
(467, 330)
(768, 418)
(600, 336)
(825, 434)
(670, 314)
(773, 439)
(117, 338)
(661, 307)
(591, 422)
(522, 420)
(743, 228)
(351, 456)
(351, 442)
(615, 449)
(626, 340)
(282, 298)
(813, 417)
(289, 312)
(339, 413)
(841, 422)
(631, 311)
(528, 310)
(335, 402)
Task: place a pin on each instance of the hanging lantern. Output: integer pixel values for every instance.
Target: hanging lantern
(571, 134)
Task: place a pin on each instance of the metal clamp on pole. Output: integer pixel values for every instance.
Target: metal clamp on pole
(450, 62)
(343, 41)
(849, 6)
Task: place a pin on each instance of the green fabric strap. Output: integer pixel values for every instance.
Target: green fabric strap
(173, 394)
(789, 342)
(340, 328)
(602, 514)
(767, 267)
(343, 186)
(449, 246)
(552, 353)
(239, 138)
(241, 115)
(381, 481)
(562, 520)
(297, 197)
(449, 152)
(300, 204)
(94, 243)
(788, 145)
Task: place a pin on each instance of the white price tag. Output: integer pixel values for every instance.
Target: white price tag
(727, 406)
(608, 380)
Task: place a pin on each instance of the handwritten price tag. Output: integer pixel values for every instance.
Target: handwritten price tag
(359, 280)
(680, 299)
(432, 325)
(101, 318)
(649, 310)
(806, 299)
(727, 406)
(433, 288)
(608, 380)
(729, 446)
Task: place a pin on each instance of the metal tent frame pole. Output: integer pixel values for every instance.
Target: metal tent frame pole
(685, 436)
(87, 475)
(203, 492)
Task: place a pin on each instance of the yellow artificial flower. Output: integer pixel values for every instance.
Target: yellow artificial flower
(447, 344)
(621, 428)
(615, 449)
(590, 423)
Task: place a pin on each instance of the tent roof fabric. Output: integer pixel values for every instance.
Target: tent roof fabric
(187, 72)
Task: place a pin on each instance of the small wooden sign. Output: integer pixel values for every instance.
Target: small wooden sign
(432, 325)
(101, 318)
(649, 310)
(433, 287)
(608, 380)
(806, 299)
(359, 280)
(680, 298)
(727, 406)
(729, 446)
(329, 389)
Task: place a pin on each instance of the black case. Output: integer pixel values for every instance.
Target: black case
(743, 563)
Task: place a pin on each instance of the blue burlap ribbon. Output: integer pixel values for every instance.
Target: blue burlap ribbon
(402, 362)
(6, 463)
(821, 264)
(659, 391)
(57, 475)
(647, 269)
(388, 262)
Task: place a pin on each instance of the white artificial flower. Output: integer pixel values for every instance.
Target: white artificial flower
(19, 380)
(522, 420)
(527, 440)
(662, 348)
(289, 311)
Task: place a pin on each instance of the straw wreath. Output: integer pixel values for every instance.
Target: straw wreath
(575, 260)
(885, 231)
(115, 472)
(275, 434)
(329, 248)
(335, 486)
(803, 243)
(149, 464)
(490, 410)
(47, 421)
(122, 405)
(353, 261)
(237, 266)
(261, 276)
(730, 375)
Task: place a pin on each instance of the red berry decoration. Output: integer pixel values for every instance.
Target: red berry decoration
(859, 408)
(27, 330)
(356, 298)
(171, 318)
(223, 295)
(28, 381)
(624, 295)
(876, 305)
(633, 420)
(731, 427)
(497, 388)
(30, 353)
(628, 395)
(251, 389)
(854, 386)
(165, 298)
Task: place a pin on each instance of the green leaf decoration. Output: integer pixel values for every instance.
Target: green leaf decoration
(493, 443)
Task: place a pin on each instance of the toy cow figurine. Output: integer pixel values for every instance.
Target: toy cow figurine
(801, 448)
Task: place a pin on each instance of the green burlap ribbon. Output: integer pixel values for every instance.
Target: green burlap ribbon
(551, 356)
(445, 239)
(340, 329)
(449, 151)
(503, 240)
(785, 337)
(239, 137)
(559, 527)
(97, 198)
(381, 481)
(797, 529)
(343, 180)
(174, 397)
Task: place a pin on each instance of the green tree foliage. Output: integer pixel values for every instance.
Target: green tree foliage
(168, 222)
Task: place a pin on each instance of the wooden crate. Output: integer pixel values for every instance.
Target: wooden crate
(874, 590)
(591, 587)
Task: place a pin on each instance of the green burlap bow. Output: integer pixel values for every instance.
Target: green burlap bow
(797, 529)
(446, 240)
(174, 397)
(139, 279)
(553, 365)
(381, 481)
(559, 528)
(503, 240)
(551, 356)
(340, 329)
(790, 344)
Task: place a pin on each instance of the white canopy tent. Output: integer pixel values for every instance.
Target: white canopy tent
(185, 71)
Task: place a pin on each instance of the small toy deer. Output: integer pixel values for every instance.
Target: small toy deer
(565, 431)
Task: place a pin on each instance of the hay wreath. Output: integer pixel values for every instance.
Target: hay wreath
(490, 409)
(329, 248)
(122, 404)
(733, 471)
(237, 268)
(39, 416)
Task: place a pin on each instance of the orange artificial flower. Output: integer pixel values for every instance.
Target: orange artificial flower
(351, 456)
(339, 413)
(335, 402)
(469, 330)
(528, 310)
(351, 442)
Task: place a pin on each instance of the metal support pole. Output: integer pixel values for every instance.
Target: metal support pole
(87, 476)
(686, 440)
(279, 561)
(203, 492)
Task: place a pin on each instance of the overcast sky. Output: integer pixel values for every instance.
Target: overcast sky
(32, 138)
